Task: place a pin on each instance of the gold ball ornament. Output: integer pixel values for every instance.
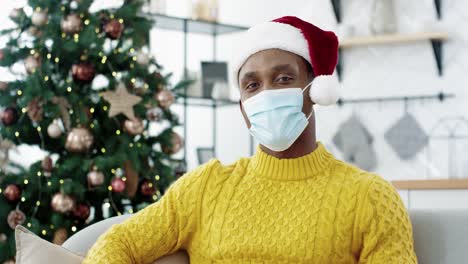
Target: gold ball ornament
(3, 238)
(154, 114)
(31, 63)
(39, 17)
(71, 24)
(35, 110)
(3, 86)
(134, 126)
(142, 58)
(47, 164)
(62, 203)
(176, 144)
(15, 217)
(60, 236)
(34, 31)
(95, 178)
(54, 130)
(79, 140)
(165, 98)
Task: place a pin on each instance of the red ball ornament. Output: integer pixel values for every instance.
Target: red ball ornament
(9, 116)
(147, 188)
(118, 185)
(12, 193)
(114, 29)
(81, 211)
(2, 54)
(83, 72)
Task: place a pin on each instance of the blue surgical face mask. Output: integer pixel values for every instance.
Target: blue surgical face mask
(276, 117)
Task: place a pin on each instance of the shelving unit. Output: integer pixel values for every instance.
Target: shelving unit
(186, 26)
(432, 184)
(337, 9)
(436, 38)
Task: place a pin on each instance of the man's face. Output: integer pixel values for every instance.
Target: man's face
(274, 69)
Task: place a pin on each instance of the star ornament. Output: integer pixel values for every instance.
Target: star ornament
(121, 101)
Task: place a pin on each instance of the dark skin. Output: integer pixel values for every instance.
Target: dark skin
(278, 69)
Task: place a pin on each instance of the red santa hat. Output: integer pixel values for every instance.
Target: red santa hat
(289, 33)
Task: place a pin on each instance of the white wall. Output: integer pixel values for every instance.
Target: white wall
(408, 69)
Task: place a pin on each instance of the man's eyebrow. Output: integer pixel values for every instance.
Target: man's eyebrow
(248, 75)
(282, 67)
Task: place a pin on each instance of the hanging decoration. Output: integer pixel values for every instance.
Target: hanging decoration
(121, 102)
(359, 150)
(406, 137)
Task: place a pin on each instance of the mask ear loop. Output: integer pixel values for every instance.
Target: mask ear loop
(303, 90)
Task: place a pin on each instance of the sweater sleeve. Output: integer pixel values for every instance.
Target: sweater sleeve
(160, 229)
(385, 229)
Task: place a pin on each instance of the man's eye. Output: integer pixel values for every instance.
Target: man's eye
(284, 79)
(251, 86)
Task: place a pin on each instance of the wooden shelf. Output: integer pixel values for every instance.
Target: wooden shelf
(436, 39)
(393, 39)
(433, 184)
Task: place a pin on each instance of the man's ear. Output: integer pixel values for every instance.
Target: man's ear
(246, 119)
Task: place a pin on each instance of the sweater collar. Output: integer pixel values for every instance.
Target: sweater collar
(304, 167)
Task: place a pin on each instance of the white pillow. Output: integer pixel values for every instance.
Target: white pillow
(31, 249)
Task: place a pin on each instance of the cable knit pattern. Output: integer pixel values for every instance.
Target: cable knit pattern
(312, 209)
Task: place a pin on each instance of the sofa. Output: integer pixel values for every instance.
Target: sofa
(441, 237)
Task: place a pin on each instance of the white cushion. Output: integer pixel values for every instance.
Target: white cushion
(31, 249)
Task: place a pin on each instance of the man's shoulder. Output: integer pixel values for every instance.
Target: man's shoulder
(214, 169)
(359, 176)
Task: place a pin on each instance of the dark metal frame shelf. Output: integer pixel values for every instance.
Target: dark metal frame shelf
(436, 38)
(436, 44)
(440, 96)
(337, 9)
(186, 26)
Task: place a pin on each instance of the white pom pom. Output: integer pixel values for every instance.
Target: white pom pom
(324, 90)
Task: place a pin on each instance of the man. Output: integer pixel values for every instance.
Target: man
(292, 202)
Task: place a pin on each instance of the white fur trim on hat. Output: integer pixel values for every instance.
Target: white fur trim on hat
(259, 37)
(324, 90)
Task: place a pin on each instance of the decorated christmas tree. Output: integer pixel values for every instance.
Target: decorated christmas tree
(86, 92)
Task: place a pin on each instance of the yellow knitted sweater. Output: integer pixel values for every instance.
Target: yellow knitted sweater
(312, 209)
